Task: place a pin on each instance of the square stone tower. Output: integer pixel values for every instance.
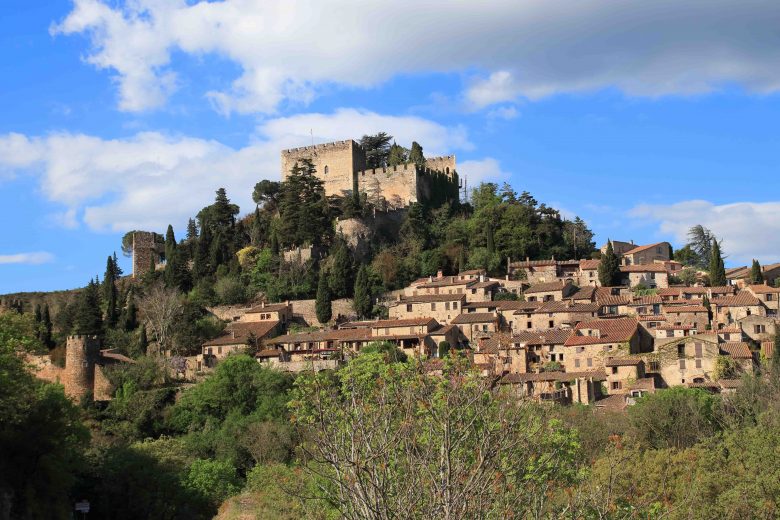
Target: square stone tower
(336, 164)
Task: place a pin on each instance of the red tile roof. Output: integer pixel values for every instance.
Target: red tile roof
(679, 309)
(610, 331)
(737, 349)
(547, 337)
(475, 317)
(639, 249)
(427, 298)
(622, 362)
(763, 289)
(643, 268)
(236, 333)
(741, 299)
(551, 376)
(269, 307)
(589, 265)
(546, 287)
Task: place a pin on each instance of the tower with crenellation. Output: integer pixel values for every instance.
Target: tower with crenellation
(341, 165)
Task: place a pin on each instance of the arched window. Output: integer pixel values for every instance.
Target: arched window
(325, 171)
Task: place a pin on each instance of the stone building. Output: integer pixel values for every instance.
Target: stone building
(148, 252)
(341, 166)
(84, 372)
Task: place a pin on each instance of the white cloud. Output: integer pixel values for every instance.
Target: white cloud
(483, 170)
(40, 257)
(748, 229)
(534, 48)
(507, 112)
(152, 179)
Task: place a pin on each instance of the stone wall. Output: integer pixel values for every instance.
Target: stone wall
(146, 251)
(398, 185)
(335, 163)
(444, 164)
(78, 378)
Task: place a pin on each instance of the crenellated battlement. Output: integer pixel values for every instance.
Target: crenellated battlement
(335, 145)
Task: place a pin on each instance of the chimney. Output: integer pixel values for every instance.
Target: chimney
(233, 334)
(262, 305)
(440, 274)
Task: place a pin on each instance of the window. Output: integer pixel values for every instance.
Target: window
(698, 347)
(433, 306)
(577, 363)
(614, 370)
(528, 325)
(698, 363)
(219, 350)
(682, 364)
(590, 362)
(681, 350)
(759, 329)
(446, 306)
(551, 324)
(615, 385)
(325, 170)
(670, 333)
(580, 350)
(454, 305)
(409, 307)
(654, 366)
(657, 249)
(769, 297)
(484, 328)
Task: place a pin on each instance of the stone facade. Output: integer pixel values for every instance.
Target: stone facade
(147, 250)
(341, 165)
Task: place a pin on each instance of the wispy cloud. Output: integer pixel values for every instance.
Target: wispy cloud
(36, 258)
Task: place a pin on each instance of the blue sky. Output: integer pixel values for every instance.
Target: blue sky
(643, 118)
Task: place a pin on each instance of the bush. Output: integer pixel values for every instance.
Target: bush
(230, 290)
(215, 480)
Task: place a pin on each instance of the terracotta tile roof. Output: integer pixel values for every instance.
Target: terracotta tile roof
(109, 354)
(547, 337)
(565, 306)
(589, 265)
(612, 300)
(427, 298)
(551, 376)
(720, 289)
(533, 263)
(763, 289)
(643, 268)
(651, 299)
(742, 299)
(361, 334)
(236, 333)
(622, 362)
(767, 347)
(404, 322)
(484, 285)
(708, 385)
(731, 329)
(679, 309)
(644, 383)
(584, 293)
(610, 331)
(615, 403)
(269, 307)
(269, 353)
(737, 349)
(472, 272)
(639, 249)
(441, 330)
(669, 291)
(546, 287)
(447, 281)
(651, 317)
(730, 383)
(675, 327)
(475, 317)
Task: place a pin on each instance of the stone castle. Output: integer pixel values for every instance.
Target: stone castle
(84, 372)
(341, 165)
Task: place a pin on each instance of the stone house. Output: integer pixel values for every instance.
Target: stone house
(549, 291)
(534, 271)
(758, 328)
(592, 342)
(693, 359)
(769, 297)
(740, 276)
(442, 307)
(623, 372)
(695, 315)
(588, 273)
(281, 312)
(613, 305)
(649, 254)
(666, 331)
(476, 324)
(645, 305)
(543, 347)
(650, 275)
(619, 247)
(558, 314)
(235, 339)
(729, 309)
(559, 387)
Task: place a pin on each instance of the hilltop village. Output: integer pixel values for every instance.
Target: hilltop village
(548, 329)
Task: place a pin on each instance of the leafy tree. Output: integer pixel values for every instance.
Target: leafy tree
(687, 256)
(377, 149)
(177, 272)
(362, 301)
(431, 429)
(444, 349)
(609, 268)
(756, 275)
(416, 155)
(230, 290)
(398, 155)
(323, 305)
(303, 208)
(717, 269)
(214, 479)
(700, 239)
(266, 194)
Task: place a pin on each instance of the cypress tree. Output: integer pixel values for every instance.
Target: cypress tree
(717, 269)
(340, 275)
(756, 275)
(143, 342)
(274, 244)
(38, 321)
(110, 293)
(177, 273)
(609, 268)
(117, 270)
(130, 314)
(491, 247)
(47, 326)
(170, 243)
(362, 301)
(416, 155)
(202, 266)
(88, 317)
(192, 229)
(323, 305)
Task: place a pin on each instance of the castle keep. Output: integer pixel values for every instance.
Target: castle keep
(342, 164)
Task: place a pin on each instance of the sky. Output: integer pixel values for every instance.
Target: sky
(642, 118)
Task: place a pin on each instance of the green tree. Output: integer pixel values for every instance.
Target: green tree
(609, 268)
(88, 318)
(376, 148)
(340, 270)
(303, 208)
(700, 240)
(46, 335)
(687, 256)
(110, 293)
(756, 275)
(444, 349)
(192, 229)
(323, 304)
(717, 269)
(362, 300)
(214, 479)
(143, 341)
(398, 155)
(266, 194)
(416, 155)
(170, 242)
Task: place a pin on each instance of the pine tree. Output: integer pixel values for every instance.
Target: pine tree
(177, 273)
(416, 155)
(398, 155)
(47, 326)
(201, 263)
(192, 229)
(323, 305)
(170, 243)
(609, 268)
(340, 275)
(717, 269)
(117, 270)
(756, 275)
(88, 317)
(491, 246)
(362, 301)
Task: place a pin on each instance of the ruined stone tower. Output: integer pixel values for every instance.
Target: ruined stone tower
(148, 252)
(81, 353)
(342, 164)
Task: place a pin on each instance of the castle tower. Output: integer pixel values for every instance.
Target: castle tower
(81, 353)
(147, 252)
(335, 164)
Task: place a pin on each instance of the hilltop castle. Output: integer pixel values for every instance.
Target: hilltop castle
(341, 165)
